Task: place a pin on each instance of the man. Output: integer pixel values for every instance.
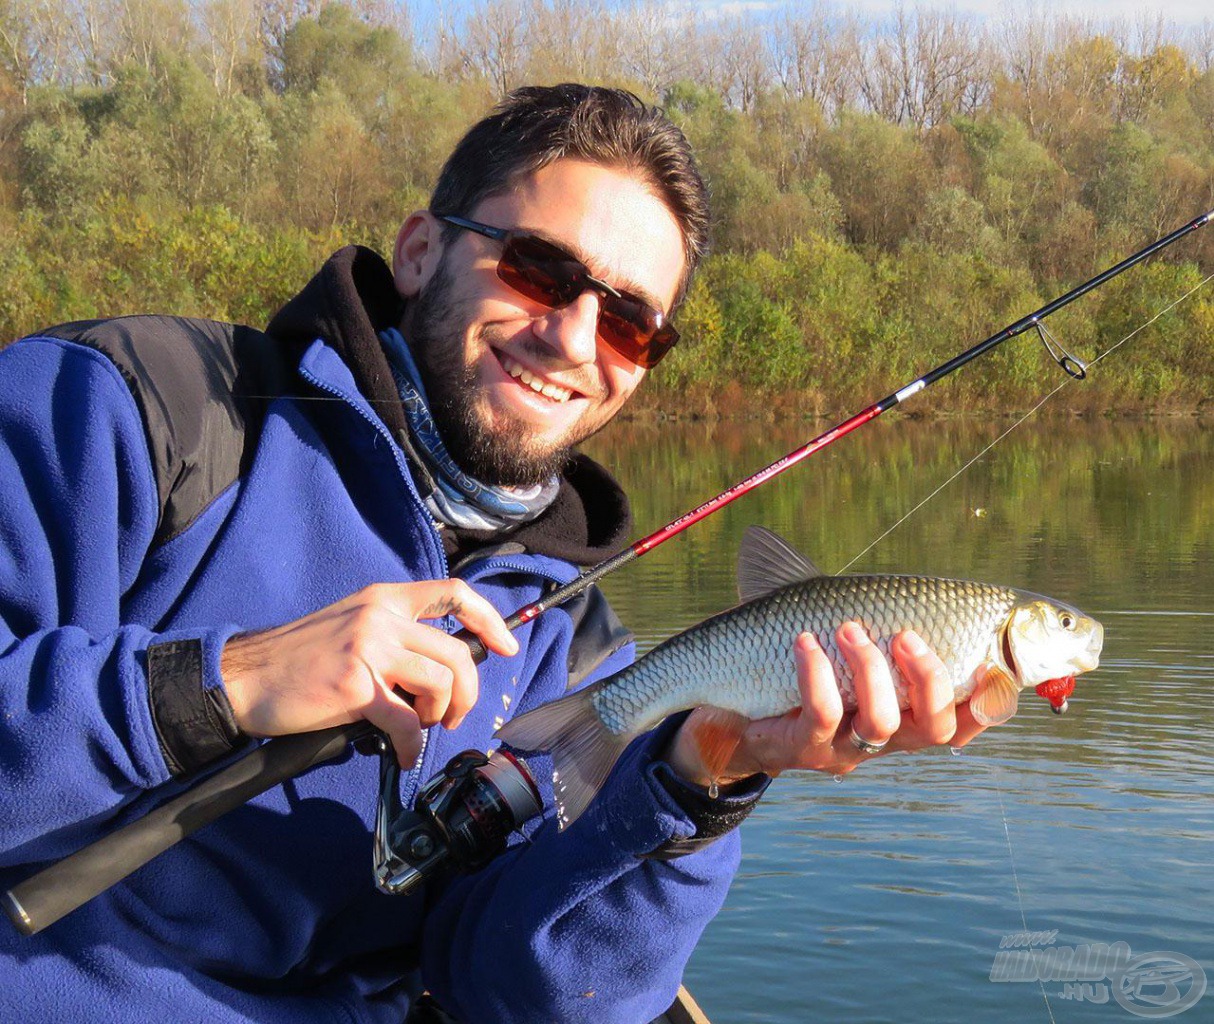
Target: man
(212, 535)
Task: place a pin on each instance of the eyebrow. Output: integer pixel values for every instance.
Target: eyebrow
(630, 289)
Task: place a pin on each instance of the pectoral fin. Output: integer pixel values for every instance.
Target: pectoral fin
(716, 734)
(996, 696)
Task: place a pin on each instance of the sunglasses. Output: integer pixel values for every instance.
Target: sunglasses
(547, 274)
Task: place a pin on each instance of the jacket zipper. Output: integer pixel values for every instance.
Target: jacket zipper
(413, 778)
(490, 565)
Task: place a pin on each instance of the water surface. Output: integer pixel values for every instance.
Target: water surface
(885, 897)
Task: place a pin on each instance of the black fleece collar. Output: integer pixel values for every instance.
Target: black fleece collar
(347, 303)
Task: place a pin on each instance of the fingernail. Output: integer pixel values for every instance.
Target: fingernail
(854, 634)
(511, 644)
(810, 642)
(914, 644)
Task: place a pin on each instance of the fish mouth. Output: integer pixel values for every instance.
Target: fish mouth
(1090, 658)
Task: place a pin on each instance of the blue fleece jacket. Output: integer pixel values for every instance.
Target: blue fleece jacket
(270, 914)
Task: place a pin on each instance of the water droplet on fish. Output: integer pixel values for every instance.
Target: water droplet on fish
(713, 791)
(955, 751)
(837, 778)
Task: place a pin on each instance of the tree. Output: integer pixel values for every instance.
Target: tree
(930, 67)
(230, 39)
(880, 173)
(494, 43)
(811, 53)
(339, 48)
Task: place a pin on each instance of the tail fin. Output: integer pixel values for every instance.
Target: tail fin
(583, 748)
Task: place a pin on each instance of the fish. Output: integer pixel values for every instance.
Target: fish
(994, 641)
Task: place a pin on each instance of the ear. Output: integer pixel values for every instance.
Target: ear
(416, 253)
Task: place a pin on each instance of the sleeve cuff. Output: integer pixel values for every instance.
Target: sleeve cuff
(190, 709)
(710, 816)
(685, 818)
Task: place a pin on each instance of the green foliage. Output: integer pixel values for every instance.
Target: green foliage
(336, 47)
(178, 170)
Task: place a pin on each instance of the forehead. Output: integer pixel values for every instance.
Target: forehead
(606, 216)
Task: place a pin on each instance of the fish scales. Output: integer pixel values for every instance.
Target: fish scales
(994, 642)
(742, 660)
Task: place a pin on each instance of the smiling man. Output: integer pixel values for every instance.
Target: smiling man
(214, 534)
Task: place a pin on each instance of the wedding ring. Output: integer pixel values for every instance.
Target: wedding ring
(865, 746)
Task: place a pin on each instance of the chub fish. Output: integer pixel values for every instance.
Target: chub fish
(994, 641)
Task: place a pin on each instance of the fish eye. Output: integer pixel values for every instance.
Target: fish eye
(1067, 620)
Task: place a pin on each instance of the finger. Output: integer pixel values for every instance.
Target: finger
(439, 670)
(877, 713)
(821, 702)
(393, 716)
(967, 726)
(432, 599)
(932, 719)
(396, 665)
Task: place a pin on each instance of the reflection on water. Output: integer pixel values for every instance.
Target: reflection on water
(884, 897)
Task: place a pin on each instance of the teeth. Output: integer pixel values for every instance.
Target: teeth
(549, 390)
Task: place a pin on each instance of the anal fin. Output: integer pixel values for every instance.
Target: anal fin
(996, 697)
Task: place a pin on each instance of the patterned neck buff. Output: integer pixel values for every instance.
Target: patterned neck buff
(456, 498)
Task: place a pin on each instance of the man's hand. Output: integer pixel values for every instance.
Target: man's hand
(817, 734)
(346, 662)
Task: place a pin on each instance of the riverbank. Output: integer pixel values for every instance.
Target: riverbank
(732, 403)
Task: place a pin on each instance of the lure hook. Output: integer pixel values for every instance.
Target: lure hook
(1073, 365)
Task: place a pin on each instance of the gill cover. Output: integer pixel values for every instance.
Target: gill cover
(1047, 641)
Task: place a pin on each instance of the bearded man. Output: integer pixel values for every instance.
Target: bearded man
(213, 535)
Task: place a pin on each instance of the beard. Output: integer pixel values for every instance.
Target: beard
(506, 455)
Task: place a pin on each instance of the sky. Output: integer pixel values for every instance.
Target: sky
(1181, 12)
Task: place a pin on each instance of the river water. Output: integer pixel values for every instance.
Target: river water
(886, 896)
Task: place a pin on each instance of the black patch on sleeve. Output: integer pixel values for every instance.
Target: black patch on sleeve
(194, 724)
(202, 388)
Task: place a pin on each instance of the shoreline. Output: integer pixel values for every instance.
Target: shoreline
(760, 407)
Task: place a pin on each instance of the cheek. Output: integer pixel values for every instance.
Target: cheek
(621, 376)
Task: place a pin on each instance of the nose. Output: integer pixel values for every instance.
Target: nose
(572, 330)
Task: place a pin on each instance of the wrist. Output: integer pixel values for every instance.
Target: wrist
(239, 662)
(683, 757)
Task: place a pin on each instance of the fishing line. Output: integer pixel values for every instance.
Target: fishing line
(958, 473)
(994, 771)
(1070, 379)
(1024, 924)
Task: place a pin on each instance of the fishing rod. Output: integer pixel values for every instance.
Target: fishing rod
(1076, 368)
(60, 888)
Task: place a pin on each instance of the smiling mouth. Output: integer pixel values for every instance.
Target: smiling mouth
(551, 391)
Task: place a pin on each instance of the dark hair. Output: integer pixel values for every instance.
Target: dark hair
(536, 125)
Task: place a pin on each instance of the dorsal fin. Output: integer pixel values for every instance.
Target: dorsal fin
(767, 562)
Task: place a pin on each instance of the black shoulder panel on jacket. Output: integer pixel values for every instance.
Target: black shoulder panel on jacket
(202, 388)
(597, 633)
